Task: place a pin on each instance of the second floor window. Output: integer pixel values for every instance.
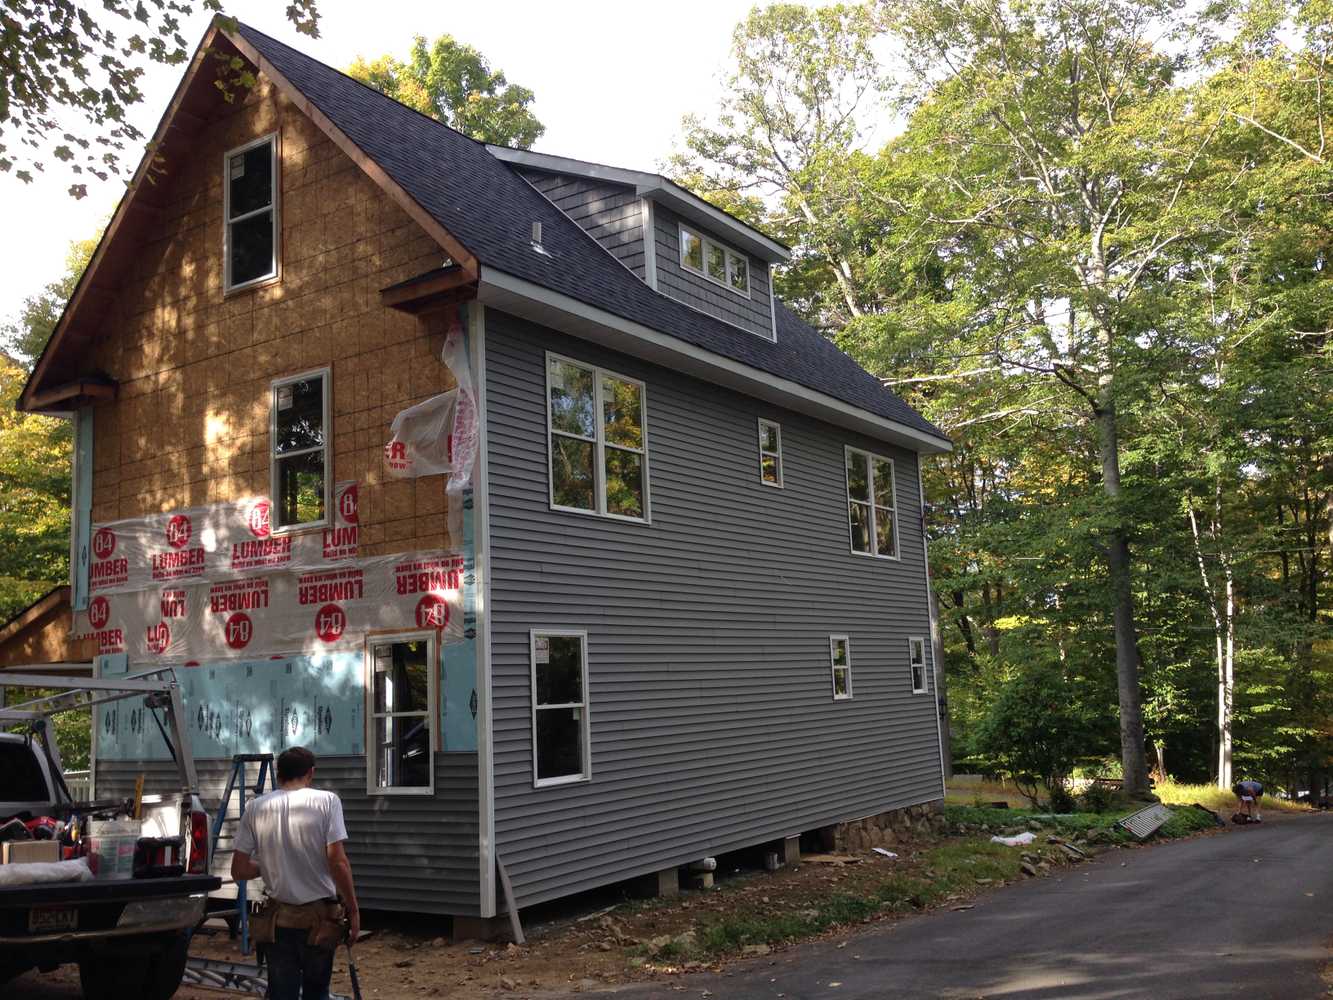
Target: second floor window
(871, 513)
(717, 263)
(770, 453)
(300, 481)
(598, 446)
(250, 211)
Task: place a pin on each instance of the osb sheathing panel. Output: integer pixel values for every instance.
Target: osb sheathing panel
(46, 640)
(191, 424)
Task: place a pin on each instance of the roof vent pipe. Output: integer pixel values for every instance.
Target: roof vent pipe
(537, 233)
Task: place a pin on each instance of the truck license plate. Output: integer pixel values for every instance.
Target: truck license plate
(43, 920)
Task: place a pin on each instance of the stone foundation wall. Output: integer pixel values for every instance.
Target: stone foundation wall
(887, 828)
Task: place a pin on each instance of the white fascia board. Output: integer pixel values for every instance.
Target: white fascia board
(534, 302)
(660, 189)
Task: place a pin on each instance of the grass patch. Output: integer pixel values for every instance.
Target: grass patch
(1221, 800)
(950, 869)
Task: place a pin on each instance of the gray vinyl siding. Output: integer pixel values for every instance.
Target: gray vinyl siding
(610, 213)
(754, 314)
(713, 725)
(416, 854)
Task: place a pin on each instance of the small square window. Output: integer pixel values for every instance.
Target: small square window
(770, 453)
(840, 661)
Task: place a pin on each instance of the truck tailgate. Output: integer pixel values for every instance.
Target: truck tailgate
(109, 908)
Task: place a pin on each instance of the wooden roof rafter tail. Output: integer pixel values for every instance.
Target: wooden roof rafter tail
(134, 201)
(87, 287)
(433, 290)
(461, 255)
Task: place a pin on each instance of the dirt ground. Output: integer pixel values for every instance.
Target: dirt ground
(585, 946)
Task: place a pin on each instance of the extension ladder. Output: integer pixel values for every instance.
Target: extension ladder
(236, 783)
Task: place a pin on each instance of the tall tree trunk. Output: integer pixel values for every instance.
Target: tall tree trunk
(1132, 755)
(1225, 685)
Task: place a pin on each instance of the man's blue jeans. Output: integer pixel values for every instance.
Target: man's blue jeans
(297, 970)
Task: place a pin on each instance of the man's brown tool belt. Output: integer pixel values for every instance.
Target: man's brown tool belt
(322, 919)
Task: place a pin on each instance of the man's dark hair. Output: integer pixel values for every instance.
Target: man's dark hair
(293, 763)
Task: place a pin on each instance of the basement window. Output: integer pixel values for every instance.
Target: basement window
(710, 259)
(560, 733)
(770, 453)
(598, 443)
(871, 512)
(299, 458)
(840, 659)
(250, 209)
(916, 658)
(401, 695)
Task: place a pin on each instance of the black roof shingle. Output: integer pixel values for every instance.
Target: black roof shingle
(490, 209)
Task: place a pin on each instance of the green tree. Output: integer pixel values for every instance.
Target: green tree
(1035, 730)
(27, 336)
(64, 62)
(787, 131)
(453, 83)
(34, 497)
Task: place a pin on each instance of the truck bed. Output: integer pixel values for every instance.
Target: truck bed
(99, 907)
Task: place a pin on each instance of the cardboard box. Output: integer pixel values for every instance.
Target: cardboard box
(26, 852)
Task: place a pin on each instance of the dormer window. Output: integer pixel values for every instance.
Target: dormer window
(250, 210)
(710, 259)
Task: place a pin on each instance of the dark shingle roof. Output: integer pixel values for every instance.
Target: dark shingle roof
(490, 209)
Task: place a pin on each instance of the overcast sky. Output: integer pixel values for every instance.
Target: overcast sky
(612, 81)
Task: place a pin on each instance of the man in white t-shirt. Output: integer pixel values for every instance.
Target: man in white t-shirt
(293, 838)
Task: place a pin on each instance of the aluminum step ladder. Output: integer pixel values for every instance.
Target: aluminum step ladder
(236, 784)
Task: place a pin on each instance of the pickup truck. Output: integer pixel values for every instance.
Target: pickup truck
(128, 936)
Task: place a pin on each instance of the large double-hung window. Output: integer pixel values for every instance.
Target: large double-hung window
(598, 440)
(872, 515)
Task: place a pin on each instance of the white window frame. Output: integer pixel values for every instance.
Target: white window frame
(875, 508)
(777, 429)
(585, 705)
(729, 255)
(912, 663)
(227, 221)
(326, 374)
(598, 441)
(432, 713)
(833, 641)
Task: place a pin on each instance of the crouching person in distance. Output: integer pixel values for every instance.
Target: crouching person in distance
(1249, 793)
(293, 839)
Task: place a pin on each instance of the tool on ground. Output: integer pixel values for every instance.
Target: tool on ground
(351, 972)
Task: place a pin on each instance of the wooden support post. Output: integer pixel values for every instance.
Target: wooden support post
(668, 882)
(791, 850)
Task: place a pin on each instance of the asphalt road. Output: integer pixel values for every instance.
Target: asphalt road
(1243, 914)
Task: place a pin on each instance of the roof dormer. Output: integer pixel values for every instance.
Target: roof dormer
(675, 241)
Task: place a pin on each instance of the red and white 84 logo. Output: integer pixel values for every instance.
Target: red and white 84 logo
(330, 621)
(432, 612)
(159, 637)
(104, 543)
(179, 531)
(99, 612)
(347, 504)
(239, 630)
(258, 519)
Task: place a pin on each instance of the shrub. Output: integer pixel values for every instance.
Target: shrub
(1035, 730)
(1097, 798)
(1061, 800)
